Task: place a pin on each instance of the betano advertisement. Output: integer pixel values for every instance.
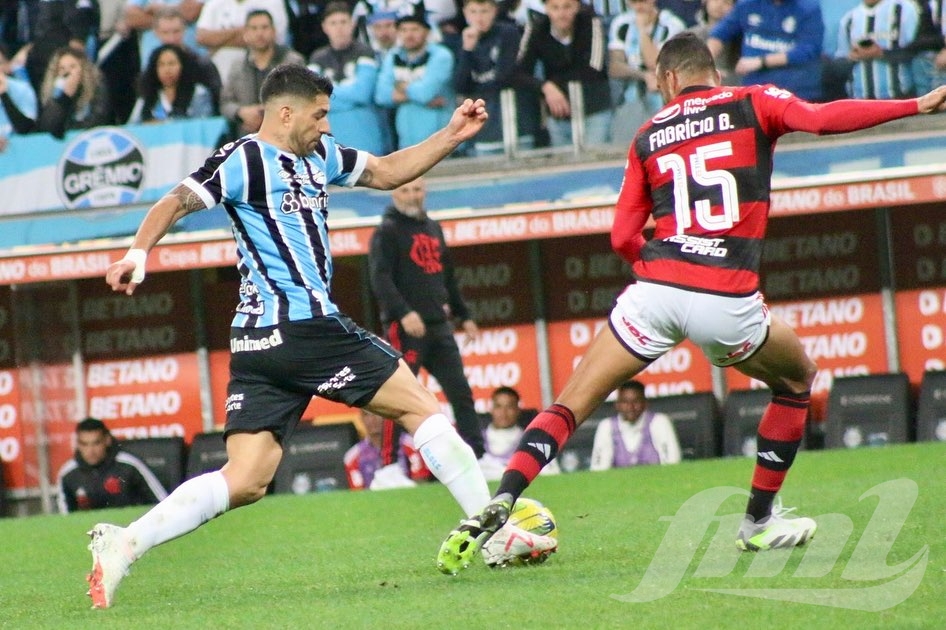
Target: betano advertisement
(919, 249)
(822, 275)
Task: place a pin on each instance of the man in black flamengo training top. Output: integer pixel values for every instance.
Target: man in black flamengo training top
(412, 277)
(701, 167)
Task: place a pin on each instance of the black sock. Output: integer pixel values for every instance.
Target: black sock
(760, 504)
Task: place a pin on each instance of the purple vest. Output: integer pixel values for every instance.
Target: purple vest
(369, 460)
(646, 453)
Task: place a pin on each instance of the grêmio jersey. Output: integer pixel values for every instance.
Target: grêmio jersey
(277, 203)
(702, 167)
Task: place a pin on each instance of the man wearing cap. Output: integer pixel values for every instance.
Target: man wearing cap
(416, 79)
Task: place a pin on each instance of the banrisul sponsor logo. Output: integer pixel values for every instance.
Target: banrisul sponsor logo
(862, 579)
(104, 167)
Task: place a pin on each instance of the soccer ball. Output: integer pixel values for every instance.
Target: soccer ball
(532, 516)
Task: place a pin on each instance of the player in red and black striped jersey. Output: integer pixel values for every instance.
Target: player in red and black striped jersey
(701, 167)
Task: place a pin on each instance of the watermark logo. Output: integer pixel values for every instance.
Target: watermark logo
(875, 585)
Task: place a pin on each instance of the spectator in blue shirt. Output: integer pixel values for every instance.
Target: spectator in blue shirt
(352, 67)
(781, 43)
(416, 79)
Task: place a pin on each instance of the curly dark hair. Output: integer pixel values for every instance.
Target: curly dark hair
(149, 86)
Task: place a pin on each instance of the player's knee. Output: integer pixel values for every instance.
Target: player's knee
(247, 494)
(246, 488)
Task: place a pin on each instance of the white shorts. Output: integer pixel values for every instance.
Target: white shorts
(650, 319)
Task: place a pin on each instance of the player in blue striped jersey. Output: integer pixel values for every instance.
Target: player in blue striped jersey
(288, 340)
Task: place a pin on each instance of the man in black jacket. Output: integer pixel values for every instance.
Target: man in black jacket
(412, 279)
(101, 476)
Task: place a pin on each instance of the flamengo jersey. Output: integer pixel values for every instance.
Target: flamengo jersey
(278, 206)
(702, 166)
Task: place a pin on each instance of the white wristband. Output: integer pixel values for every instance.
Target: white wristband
(137, 256)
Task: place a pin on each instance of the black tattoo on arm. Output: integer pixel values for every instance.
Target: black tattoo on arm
(189, 200)
(366, 178)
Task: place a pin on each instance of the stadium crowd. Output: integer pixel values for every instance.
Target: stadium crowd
(400, 65)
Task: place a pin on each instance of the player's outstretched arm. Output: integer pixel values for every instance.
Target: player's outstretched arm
(394, 169)
(126, 274)
(933, 101)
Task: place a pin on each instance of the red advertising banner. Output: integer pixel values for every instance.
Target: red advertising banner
(48, 404)
(582, 277)
(821, 256)
(844, 336)
(156, 319)
(11, 431)
(527, 224)
(921, 325)
(898, 191)
(683, 370)
(919, 247)
(496, 283)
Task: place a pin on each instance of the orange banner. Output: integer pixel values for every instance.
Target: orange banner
(500, 356)
(11, 431)
(155, 396)
(844, 337)
(683, 370)
(921, 322)
(48, 404)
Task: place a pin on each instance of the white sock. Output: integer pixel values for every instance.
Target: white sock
(192, 504)
(452, 461)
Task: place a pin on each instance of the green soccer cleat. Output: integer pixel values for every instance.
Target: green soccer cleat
(463, 543)
(776, 531)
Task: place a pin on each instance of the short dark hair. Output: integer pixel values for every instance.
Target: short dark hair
(336, 6)
(507, 391)
(290, 79)
(257, 12)
(634, 386)
(685, 52)
(91, 424)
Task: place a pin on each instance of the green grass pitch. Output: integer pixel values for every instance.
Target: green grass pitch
(366, 560)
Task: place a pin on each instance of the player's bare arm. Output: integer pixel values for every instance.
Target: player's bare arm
(400, 167)
(126, 274)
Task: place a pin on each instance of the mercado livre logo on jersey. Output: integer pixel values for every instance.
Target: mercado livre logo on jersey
(104, 167)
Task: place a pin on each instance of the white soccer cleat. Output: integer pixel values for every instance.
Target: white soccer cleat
(512, 544)
(111, 557)
(776, 531)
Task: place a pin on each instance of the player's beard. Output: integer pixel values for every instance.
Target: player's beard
(413, 211)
